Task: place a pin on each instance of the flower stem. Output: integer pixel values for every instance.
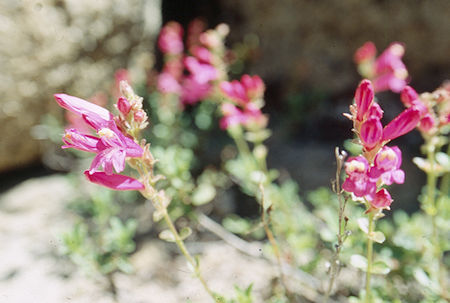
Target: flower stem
(187, 255)
(342, 221)
(369, 257)
(431, 210)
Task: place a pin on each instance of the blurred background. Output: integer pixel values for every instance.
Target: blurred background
(303, 50)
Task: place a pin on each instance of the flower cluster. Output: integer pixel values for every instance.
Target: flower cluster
(379, 164)
(434, 108)
(387, 72)
(112, 145)
(203, 63)
(245, 103)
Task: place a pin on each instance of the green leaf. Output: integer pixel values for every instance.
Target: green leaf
(158, 215)
(377, 236)
(381, 268)
(444, 160)
(363, 224)
(422, 164)
(203, 194)
(167, 235)
(359, 262)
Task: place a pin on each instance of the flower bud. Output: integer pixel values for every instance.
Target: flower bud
(140, 116)
(371, 132)
(123, 105)
(408, 95)
(365, 52)
(363, 98)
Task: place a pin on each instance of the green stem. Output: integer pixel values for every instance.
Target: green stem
(369, 257)
(432, 211)
(445, 181)
(188, 257)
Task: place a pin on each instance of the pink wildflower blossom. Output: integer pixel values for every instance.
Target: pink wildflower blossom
(358, 181)
(167, 83)
(382, 199)
(112, 147)
(405, 122)
(243, 91)
(388, 72)
(387, 166)
(114, 181)
(171, 39)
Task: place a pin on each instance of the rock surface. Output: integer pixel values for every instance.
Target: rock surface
(33, 215)
(72, 46)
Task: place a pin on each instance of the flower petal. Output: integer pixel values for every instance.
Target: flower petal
(117, 182)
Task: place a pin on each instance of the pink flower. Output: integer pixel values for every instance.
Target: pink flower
(358, 181)
(389, 81)
(402, 124)
(168, 84)
(74, 139)
(408, 96)
(194, 91)
(112, 146)
(96, 114)
(388, 72)
(202, 72)
(117, 182)
(387, 166)
(365, 53)
(243, 91)
(202, 54)
(427, 123)
(171, 39)
(371, 132)
(123, 105)
(382, 199)
(249, 116)
(363, 99)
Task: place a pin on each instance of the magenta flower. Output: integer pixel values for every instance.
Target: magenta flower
(97, 115)
(382, 199)
(233, 115)
(201, 72)
(363, 99)
(427, 123)
(171, 39)
(117, 182)
(358, 181)
(123, 105)
(408, 96)
(112, 147)
(388, 72)
(365, 53)
(74, 139)
(387, 166)
(194, 91)
(243, 91)
(402, 124)
(167, 83)
(371, 132)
